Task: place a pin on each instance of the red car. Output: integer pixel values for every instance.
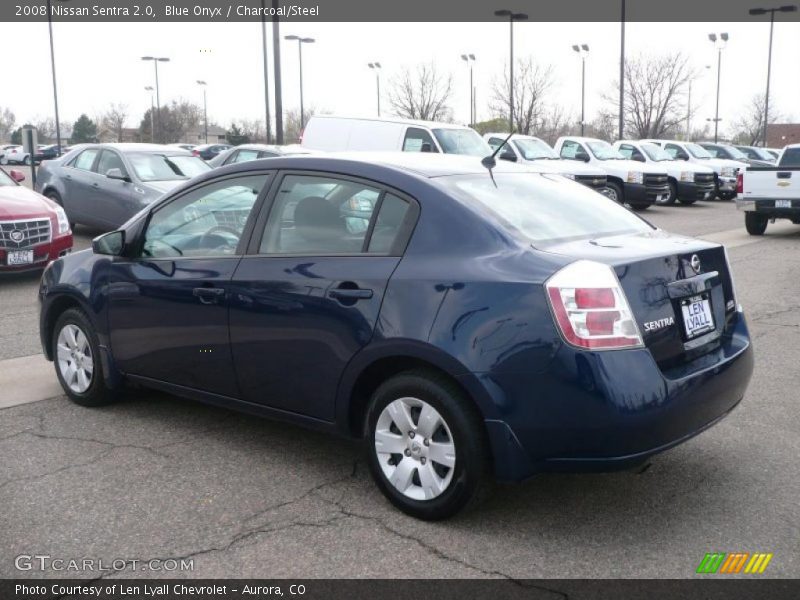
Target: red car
(33, 229)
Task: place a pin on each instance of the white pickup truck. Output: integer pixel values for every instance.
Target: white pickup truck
(769, 193)
(531, 150)
(688, 182)
(725, 170)
(628, 182)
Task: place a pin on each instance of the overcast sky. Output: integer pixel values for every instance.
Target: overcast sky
(98, 64)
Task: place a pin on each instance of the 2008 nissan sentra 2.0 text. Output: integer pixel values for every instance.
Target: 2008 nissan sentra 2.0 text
(467, 325)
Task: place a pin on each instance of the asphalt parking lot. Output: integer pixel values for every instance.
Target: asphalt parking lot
(159, 477)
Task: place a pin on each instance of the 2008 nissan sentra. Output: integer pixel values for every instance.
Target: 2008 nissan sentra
(467, 325)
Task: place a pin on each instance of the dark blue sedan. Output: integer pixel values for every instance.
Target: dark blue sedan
(467, 325)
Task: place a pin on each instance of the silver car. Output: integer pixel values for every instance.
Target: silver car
(104, 185)
(248, 152)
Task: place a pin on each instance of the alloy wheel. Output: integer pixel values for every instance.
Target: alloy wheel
(75, 361)
(415, 448)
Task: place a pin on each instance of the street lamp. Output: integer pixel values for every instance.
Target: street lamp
(205, 107)
(156, 60)
(771, 11)
(689, 107)
(470, 59)
(300, 42)
(53, 69)
(376, 66)
(582, 51)
(719, 43)
(512, 16)
(149, 88)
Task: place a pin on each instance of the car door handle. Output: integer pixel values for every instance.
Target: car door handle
(208, 295)
(350, 294)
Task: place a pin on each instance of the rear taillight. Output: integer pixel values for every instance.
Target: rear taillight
(195, 153)
(740, 183)
(590, 307)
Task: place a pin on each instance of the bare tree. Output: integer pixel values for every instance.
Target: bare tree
(532, 82)
(655, 94)
(748, 129)
(114, 119)
(604, 126)
(45, 128)
(556, 122)
(423, 93)
(7, 122)
(291, 124)
(253, 129)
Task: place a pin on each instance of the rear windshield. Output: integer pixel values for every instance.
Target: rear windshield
(161, 167)
(545, 208)
(790, 158)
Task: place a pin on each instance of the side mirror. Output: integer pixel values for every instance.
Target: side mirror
(508, 154)
(426, 147)
(117, 174)
(17, 176)
(110, 244)
(683, 156)
(582, 156)
(638, 157)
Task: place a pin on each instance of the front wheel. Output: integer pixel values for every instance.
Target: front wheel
(755, 223)
(426, 446)
(76, 355)
(727, 196)
(614, 191)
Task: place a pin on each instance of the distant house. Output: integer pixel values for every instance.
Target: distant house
(129, 134)
(782, 134)
(197, 135)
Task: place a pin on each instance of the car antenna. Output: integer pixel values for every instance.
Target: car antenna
(490, 163)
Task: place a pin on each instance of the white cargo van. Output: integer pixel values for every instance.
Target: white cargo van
(629, 182)
(531, 150)
(338, 134)
(688, 182)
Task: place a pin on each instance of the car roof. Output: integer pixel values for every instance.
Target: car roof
(137, 147)
(420, 123)
(289, 149)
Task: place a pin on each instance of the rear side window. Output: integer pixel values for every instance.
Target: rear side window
(544, 209)
(791, 158)
(85, 159)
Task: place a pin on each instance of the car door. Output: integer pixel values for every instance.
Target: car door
(168, 305)
(78, 179)
(111, 200)
(307, 296)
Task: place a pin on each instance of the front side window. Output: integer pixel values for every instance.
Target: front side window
(208, 221)
(543, 208)
(245, 156)
(418, 140)
(571, 149)
(85, 159)
(110, 160)
(654, 152)
(163, 167)
(320, 216)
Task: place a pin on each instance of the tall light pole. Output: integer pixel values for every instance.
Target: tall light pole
(376, 66)
(266, 72)
(771, 11)
(53, 69)
(689, 108)
(202, 83)
(622, 73)
(150, 89)
(156, 60)
(300, 42)
(512, 16)
(470, 60)
(719, 44)
(582, 50)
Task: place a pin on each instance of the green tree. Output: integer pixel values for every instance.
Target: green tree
(84, 130)
(236, 136)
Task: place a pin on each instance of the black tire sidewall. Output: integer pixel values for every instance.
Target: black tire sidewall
(617, 190)
(97, 393)
(755, 224)
(468, 438)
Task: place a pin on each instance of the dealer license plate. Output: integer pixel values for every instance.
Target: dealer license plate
(20, 257)
(697, 316)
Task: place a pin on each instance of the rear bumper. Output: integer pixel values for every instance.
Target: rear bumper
(601, 411)
(766, 207)
(43, 255)
(689, 190)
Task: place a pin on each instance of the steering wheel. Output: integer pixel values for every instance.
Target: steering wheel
(214, 231)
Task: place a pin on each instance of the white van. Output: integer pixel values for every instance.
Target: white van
(338, 134)
(531, 150)
(688, 182)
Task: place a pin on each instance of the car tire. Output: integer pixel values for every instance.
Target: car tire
(673, 194)
(76, 356)
(27, 161)
(413, 478)
(727, 196)
(755, 223)
(614, 191)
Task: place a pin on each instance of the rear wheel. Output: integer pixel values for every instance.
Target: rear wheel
(755, 223)
(27, 160)
(426, 446)
(76, 356)
(614, 191)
